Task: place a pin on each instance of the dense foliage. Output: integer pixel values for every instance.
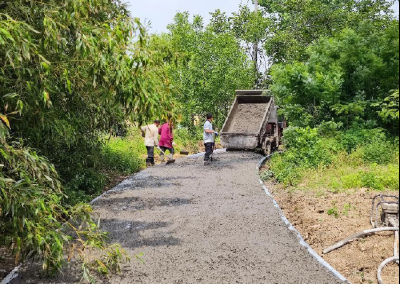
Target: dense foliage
(335, 75)
(72, 71)
(346, 78)
(337, 160)
(34, 224)
(211, 64)
(296, 24)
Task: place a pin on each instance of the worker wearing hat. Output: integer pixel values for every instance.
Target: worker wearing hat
(150, 133)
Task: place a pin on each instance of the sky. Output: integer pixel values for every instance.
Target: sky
(161, 12)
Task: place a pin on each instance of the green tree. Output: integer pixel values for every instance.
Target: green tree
(343, 78)
(73, 70)
(299, 23)
(252, 29)
(213, 65)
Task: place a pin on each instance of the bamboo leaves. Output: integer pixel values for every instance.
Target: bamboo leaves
(5, 120)
(72, 70)
(4, 34)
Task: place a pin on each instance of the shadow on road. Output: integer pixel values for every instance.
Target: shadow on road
(133, 235)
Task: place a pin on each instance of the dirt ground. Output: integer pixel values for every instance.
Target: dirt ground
(248, 118)
(7, 263)
(196, 224)
(357, 261)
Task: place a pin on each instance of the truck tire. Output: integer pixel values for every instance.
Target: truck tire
(267, 148)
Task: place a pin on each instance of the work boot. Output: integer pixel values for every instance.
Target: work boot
(171, 157)
(214, 159)
(148, 162)
(162, 157)
(153, 162)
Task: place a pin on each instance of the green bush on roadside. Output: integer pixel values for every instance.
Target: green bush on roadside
(357, 158)
(188, 140)
(267, 175)
(85, 186)
(34, 223)
(118, 156)
(125, 154)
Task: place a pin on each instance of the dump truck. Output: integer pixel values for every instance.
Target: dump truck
(252, 123)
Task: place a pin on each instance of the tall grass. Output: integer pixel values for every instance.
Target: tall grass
(188, 140)
(125, 155)
(349, 172)
(343, 161)
(120, 156)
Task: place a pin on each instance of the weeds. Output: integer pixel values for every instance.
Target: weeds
(125, 154)
(188, 140)
(347, 208)
(267, 175)
(35, 225)
(334, 212)
(338, 162)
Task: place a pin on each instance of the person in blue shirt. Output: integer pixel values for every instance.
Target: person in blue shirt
(209, 139)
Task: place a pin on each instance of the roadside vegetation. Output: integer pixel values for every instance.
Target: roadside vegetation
(339, 91)
(342, 103)
(344, 160)
(72, 72)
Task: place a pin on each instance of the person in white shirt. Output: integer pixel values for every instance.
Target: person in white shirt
(150, 133)
(209, 139)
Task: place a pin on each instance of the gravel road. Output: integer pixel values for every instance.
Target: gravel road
(196, 224)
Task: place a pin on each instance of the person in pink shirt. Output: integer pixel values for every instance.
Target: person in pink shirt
(167, 139)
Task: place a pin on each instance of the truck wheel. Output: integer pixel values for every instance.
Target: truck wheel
(268, 149)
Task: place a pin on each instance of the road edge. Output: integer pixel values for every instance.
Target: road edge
(11, 276)
(292, 228)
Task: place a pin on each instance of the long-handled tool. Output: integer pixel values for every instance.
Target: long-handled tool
(170, 161)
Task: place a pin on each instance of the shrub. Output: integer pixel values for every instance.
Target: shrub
(390, 177)
(370, 157)
(305, 149)
(187, 139)
(329, 128)
(359, 135)
(285, 171)
(371, 180)
(267, 175)
(379, 151)
(124, 155)
(352, 181)
(35, 224)
(85, 186)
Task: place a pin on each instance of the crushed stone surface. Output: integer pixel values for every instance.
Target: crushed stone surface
(248, 118)
(196, 224)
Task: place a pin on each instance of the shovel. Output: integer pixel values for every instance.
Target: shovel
(170, 161)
